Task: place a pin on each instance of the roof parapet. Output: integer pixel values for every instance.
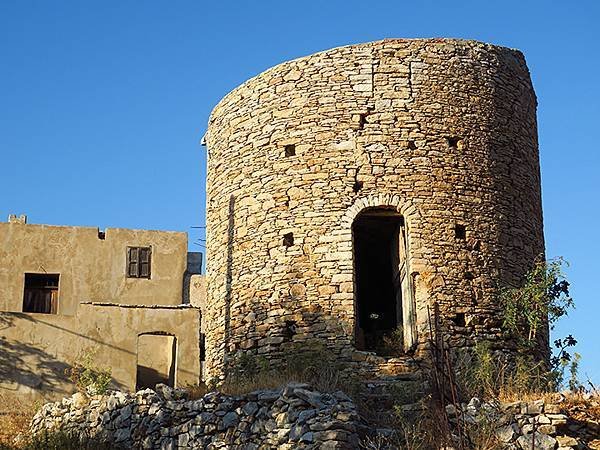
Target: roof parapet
(13, 218)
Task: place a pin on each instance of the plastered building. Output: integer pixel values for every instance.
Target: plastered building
(129, 297)
(352, 192)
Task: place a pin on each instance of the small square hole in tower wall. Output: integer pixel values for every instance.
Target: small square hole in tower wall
(453, 142)
(460, 231)
(289, 330)
(362, 121)
(288, 239)
(290, 150)
(459, 320)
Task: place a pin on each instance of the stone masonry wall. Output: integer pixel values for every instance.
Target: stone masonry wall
(296, 416)
(441, 130)
(293, 417)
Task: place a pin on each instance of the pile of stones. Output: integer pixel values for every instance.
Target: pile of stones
(294, 416)
(526, 425)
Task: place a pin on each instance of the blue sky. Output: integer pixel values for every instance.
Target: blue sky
(103, 104)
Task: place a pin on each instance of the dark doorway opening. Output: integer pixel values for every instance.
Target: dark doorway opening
(379, 264)
(156, 356)
(41, 293)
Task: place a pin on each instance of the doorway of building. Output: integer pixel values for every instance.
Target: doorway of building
(156, 356)
(381, 281)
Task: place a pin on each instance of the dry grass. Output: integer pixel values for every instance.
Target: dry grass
(14, 431)
(308, 362)
(323, 379)
(512, 395)
(582, 406)
(196, 391)
(430, 429)
(14, 419)
(569, 400)
(271, 379)
(60, 440)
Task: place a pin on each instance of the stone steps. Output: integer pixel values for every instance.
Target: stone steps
(383, 396)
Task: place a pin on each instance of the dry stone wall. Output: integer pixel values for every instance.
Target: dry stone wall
(539, 424)
(442, 131)
(293, 417)
(298, 417)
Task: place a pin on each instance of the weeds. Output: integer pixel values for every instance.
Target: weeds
(431, 429)
(542, 299)
(309, 362)
(406, 392)
(485, 373)
(574, 383)
(59, 440)
(531, 308)
(391, 343)
(481, 435)
(87, 376)
(15, 434)
(196, 391)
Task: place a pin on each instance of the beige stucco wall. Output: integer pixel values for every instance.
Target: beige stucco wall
(155, 359)
(197, 291)
(36, 349)
(90, 268)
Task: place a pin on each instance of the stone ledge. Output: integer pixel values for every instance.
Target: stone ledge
(124, 305)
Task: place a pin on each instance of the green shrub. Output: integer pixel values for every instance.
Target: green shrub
(574, 383)
(530, 309)
(87, 376)
(542, 298)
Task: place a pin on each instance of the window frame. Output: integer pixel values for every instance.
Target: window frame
(137, 263)
(31, 290)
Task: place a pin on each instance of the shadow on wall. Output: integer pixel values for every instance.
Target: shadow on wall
(229, 275)
(149, 377)
(515, 164)
(22, 365)
(27, 369)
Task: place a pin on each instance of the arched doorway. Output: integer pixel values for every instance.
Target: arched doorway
(383, 296)
(156, 356)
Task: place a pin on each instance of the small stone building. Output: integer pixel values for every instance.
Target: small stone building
(129, 297)
(353, 192)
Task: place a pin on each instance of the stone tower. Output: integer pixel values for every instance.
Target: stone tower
(352, 191)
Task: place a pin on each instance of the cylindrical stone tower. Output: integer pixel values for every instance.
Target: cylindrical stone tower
(353, 191)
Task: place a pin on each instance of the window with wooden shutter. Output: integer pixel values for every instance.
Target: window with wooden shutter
(144, 262)
(41, 293)
(139, 262)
